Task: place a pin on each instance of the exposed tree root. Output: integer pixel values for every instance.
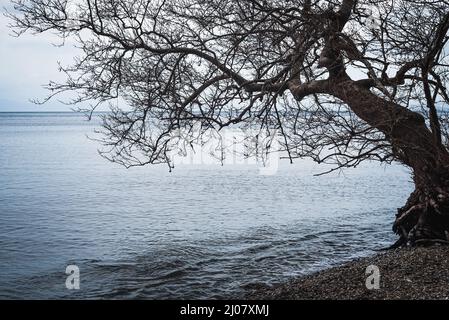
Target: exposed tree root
(431, 242)
(424, 220)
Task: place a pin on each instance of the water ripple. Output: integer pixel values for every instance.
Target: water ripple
(195, 233)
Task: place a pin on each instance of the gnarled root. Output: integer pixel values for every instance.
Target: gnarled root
(424, 220)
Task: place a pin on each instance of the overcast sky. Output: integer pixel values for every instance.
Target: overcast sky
(26, 63)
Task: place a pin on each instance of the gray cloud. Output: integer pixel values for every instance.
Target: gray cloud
(27, 63)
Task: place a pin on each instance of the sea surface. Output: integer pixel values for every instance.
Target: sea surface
(206, 231)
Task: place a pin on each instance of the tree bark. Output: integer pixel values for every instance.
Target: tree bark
(425, 217)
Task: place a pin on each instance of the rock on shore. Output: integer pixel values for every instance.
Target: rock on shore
(407, 273)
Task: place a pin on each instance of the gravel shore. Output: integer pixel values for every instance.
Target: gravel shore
(407, 273)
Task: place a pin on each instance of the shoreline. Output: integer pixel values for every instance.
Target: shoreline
(420, 273)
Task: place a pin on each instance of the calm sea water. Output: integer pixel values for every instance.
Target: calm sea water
(198, 232)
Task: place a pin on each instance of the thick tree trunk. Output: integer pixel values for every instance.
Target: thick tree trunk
(425, 217)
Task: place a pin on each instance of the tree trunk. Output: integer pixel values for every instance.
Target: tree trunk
(425, 217)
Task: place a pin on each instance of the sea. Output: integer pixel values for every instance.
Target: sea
(196, 232)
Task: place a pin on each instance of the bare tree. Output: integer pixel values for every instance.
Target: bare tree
(342, 81)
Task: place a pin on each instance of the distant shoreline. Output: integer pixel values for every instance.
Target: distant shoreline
(405, 274)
